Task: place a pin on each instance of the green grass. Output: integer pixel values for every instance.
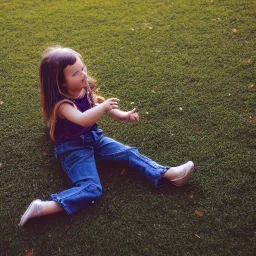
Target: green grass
(179, 63)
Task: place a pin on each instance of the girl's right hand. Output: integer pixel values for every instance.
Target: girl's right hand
(110, 104)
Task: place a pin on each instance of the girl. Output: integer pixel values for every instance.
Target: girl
(72, 108)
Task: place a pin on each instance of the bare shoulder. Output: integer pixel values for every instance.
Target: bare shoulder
(65, 108)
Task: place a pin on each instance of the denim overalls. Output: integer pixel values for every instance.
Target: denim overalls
(79, 157)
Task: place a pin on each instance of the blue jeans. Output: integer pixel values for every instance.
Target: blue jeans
(79, 157)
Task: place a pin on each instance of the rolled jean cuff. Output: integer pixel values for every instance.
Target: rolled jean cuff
(160, 180)
(55, 198)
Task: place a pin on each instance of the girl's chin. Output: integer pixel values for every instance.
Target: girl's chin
(85, 84)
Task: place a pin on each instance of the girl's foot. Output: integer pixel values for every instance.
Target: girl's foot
(179, 175)
(39, 208)
(34, 210)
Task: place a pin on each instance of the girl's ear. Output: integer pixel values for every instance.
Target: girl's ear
(64, 85)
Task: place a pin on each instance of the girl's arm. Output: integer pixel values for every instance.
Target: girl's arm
(90, 116)
(127, 116)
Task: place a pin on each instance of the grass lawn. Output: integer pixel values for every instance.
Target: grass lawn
(188, 66)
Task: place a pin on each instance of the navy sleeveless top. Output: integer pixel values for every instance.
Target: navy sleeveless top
(66, 130)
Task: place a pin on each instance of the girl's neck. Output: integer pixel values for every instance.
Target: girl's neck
(76, 95)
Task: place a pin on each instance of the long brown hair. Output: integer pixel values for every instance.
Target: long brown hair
(54, 61)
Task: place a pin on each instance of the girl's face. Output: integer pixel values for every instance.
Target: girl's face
(75, 78)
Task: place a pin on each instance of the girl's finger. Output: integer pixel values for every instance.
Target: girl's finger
(114, 99)
(134, 117)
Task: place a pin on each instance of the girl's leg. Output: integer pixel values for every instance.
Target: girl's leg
(177, 175)
(112, 151)
(84, 193)
(81, 168)
(71, 200)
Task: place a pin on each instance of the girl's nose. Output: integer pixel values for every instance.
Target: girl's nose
(84, 74)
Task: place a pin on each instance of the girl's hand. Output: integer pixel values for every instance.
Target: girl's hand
(132, 116)
(110, 104)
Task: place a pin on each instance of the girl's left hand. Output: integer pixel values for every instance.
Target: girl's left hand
(133, 115)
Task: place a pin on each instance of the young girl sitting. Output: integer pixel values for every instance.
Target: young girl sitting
(72, 108)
